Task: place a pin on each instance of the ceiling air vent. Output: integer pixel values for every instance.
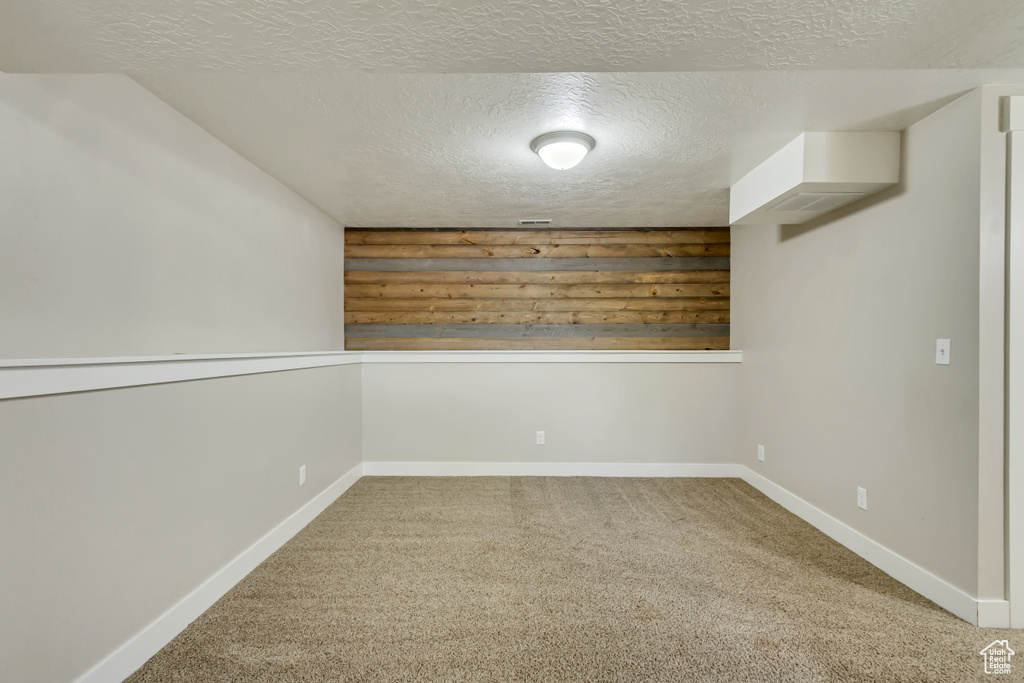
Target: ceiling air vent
(814, 174)
(534, 221)
(816, 202)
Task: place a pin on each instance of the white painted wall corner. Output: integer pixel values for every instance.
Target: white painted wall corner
(130, 656)
(903, 570)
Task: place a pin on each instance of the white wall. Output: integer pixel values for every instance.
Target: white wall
(590, 412)
(117, 504)
(126, 230)
(838, 322)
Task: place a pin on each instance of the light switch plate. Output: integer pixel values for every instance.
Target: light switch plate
(942, 352)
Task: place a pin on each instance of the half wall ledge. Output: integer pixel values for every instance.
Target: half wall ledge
(44, 377)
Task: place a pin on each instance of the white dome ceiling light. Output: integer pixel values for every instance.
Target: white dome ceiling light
(562, 149)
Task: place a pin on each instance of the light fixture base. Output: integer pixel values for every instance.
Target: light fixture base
(562, 149)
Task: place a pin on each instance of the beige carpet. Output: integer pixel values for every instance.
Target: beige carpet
(569, 579)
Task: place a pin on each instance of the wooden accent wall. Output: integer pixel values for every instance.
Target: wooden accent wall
(447, 288)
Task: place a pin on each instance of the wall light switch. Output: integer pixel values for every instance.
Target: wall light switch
(942, 352)
(862, 498)
(760, 452)
(302, 475)
(540, 438)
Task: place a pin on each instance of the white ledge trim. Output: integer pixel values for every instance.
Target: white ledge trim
(175, 358)
(44, 377)
(21, 379)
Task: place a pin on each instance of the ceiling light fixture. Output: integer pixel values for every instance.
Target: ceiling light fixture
(562, 149)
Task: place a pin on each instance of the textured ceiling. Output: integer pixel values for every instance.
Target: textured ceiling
(507, 35)
(453, 149)
(420, 113)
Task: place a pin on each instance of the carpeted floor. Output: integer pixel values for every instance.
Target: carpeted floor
(569, 579)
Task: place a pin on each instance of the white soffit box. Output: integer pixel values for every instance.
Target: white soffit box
(814, 174)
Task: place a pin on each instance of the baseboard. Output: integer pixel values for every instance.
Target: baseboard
(988, 613)
(994, 613)
(126, 659)
(903, 570)
(546, 469)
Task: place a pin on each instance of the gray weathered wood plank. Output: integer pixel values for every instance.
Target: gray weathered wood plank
(593, 304)
(513, 291)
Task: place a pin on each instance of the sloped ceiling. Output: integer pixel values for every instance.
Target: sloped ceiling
(421, 113)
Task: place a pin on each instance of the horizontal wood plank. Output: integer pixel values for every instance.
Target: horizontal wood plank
(463, 277)
(487, 289)
(536, 237)
(554, 331)
(413, 291)
(534, 264)
(613, 304)
(421, 251)
(539, 344)
(533, 317)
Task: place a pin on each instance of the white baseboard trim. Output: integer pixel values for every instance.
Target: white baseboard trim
(129, 657)
(991, 613)
(903, 570)
(994, 613)
(546, 469)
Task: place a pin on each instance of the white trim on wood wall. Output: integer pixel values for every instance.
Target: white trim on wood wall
(131, 655)
(552, 356)
(44, 377)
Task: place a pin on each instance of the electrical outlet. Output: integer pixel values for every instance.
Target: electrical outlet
(862, 498)
(302, 475)
(942, 352)
(760, 452)
(540, 438)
